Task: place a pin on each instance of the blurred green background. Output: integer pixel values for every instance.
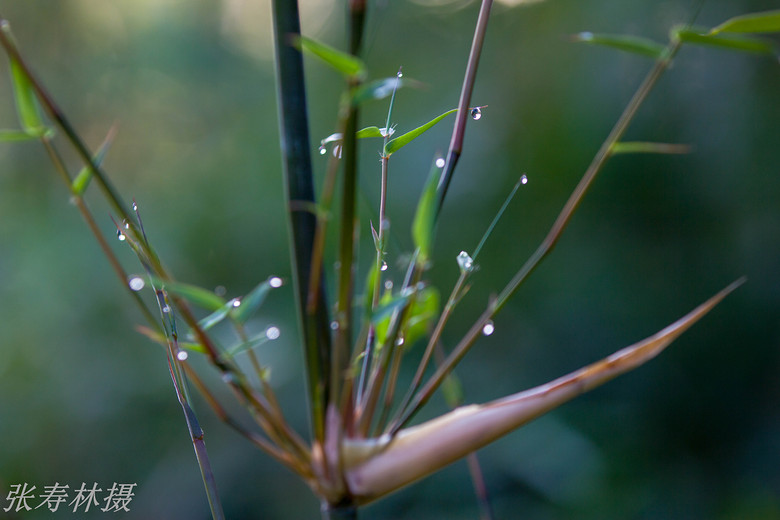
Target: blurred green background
(694, 434)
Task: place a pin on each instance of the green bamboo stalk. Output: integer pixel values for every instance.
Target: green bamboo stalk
(299, 187)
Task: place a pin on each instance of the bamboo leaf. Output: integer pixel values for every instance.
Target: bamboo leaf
(162, 340)
(344, 63)
(81, 181)
(649, 147)
(369, 131)
(376, 467)
(27, 107)
(421, 313)
(197, 295)
(731, 42)
(633, 44)
(399, 142)
(251, 302)
(424, 218)
(216, 317)
(388, 304)
(764, 22)
(16, 135)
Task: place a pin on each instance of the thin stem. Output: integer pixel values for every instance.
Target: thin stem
(550, 240)
(459, 129)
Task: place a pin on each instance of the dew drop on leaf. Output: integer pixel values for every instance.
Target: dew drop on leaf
(523, 180)
(121, 236)
(275, 282)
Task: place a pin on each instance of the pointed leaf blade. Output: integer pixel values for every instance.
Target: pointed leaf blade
(627, 43)
(7, 136)
(626, 147)
(402, 140)
(763, 22)
(197, 295)
(251, 302)
(344, 63)
(724, 41)
(424, 218)
(81, 181)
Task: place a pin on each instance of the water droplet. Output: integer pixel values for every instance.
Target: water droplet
(334, 325)
(400, 74)
(488, 328)
(272, 332)
(182, 355)
(399, 341)
(384, 266)
(476, 113)
(121, 236)
(275, 282)
(388, 285)
(465, 262)
(586, 36)
(220, 290)
(126, 224)
(136, 283)
(236, 302)
(166, 309)
(135, 206)
(440, 162)
(523, 180)
(322, 149)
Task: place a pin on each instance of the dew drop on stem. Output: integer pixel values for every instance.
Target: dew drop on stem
(236, 303)
(275, 282)
(523, 180)
(121, 236)
(323, 150)
(334, 325)
(440, 162)
(488, 328)
(182, 355)
(136, 283)
(384, 266)
(476, 113)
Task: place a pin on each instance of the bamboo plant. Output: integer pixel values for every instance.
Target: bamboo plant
(363, 443)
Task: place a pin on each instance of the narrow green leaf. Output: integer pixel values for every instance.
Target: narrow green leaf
(250, 344)
(369, 131)
(421, 314)
(27, 107)
(251, 302)
(81, 181)
(736, 43)
(16, 135)
(382, 315)
(424, 218)
(399, 142)
(194, 294)
(633, 44)
(649, 147)
(216, 317)
(345, 63)
(764, 22)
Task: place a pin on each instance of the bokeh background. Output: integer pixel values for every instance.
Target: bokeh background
(694, 434)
